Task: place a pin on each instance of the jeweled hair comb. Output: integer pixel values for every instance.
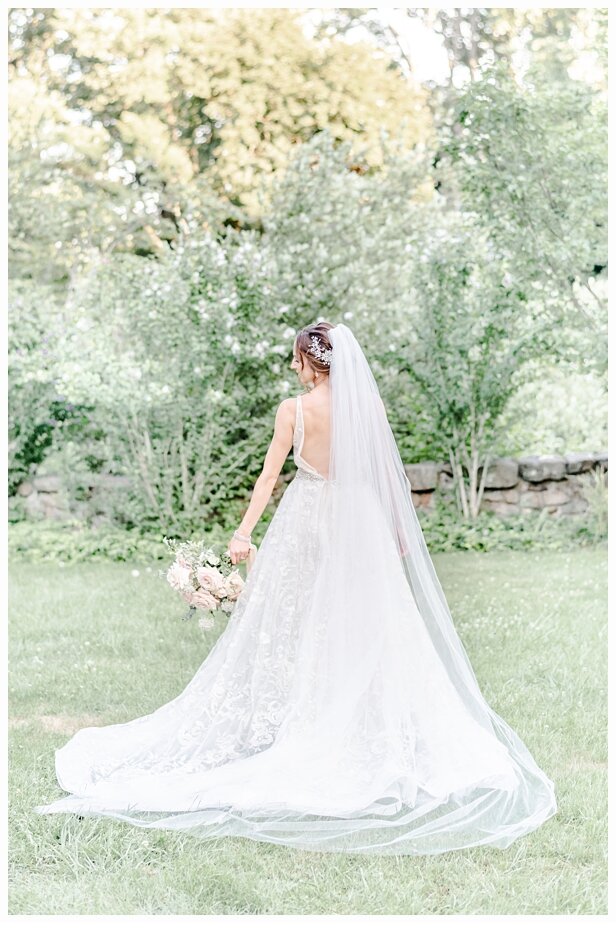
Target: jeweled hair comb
(316, 350)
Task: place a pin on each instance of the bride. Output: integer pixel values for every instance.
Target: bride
(338, 710)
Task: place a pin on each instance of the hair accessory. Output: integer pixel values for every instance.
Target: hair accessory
(318, 352)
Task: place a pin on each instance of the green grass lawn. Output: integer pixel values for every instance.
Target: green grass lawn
(92, 644)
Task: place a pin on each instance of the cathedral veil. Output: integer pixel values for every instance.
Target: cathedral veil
(373, 525)
(364, 459)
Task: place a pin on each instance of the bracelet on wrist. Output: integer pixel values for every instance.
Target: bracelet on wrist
(239, 536)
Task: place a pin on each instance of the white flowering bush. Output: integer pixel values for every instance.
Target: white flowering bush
(179, 359)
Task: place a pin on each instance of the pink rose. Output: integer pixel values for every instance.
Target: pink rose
(205, 600)
(234, 585)
(211, 579)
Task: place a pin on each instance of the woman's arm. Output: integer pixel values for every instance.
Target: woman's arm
(278, 450)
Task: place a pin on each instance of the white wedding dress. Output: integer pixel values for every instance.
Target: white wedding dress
(315, 722)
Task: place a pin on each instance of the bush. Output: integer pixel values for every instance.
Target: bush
(72, 542)
(594, 486)
(445, 530)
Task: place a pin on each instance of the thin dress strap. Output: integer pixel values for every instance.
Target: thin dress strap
(298, 422)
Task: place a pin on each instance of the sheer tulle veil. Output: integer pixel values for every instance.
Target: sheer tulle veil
(373, 525)
(365, 464)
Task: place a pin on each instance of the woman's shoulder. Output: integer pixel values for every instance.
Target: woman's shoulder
(287, 409)
(288, 404)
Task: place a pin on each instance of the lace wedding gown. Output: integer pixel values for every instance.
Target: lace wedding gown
(317, 730)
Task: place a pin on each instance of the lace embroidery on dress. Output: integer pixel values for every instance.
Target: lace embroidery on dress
(236, 700)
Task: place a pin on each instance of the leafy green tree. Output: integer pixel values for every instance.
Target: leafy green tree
(472, 331)
(509, 273)
(70, 201)
(531, 162)
(567, 43)
(341, 238)
(177, 95)
(560, 41)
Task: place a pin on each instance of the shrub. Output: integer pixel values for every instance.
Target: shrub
(446, 530)
(72, 542)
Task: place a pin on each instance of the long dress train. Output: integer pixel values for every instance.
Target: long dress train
(330, 733)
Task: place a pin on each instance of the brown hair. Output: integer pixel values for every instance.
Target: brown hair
(304, 347)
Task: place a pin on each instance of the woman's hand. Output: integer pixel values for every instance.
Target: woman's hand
(238, 550)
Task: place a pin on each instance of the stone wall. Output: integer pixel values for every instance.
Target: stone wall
(48, 497)
(516, 486)
(513, 486)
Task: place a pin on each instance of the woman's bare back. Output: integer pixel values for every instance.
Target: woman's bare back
(315, 449)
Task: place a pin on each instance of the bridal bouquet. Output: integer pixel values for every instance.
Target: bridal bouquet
(204, 577)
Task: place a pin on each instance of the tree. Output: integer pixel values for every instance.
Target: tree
(509, 271)
(181, 96)
(341, 238)
(472, 329)
(531, 161)
(475, 38)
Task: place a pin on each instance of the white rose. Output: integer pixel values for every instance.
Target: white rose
(178, 576)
